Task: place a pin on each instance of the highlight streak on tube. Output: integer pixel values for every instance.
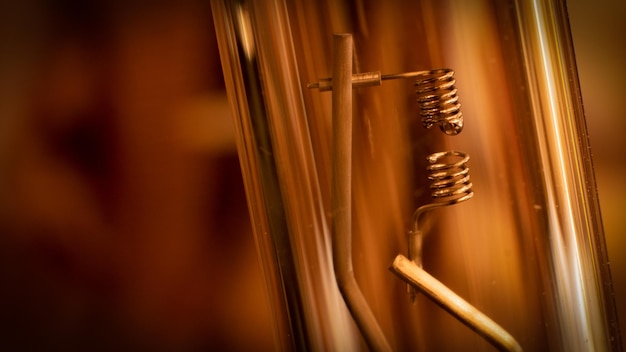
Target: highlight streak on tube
(562, 221)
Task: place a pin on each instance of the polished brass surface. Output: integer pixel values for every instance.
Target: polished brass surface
(527, 250)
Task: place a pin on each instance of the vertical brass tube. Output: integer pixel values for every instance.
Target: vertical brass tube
(341, 195)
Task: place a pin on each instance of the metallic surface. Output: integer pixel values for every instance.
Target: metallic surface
(528, 251)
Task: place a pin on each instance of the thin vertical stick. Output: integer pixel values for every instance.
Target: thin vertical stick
(455, 305)
(342, 195)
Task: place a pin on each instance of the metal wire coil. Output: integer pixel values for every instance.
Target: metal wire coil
(449, 184)
(438, 100)
(449, 181)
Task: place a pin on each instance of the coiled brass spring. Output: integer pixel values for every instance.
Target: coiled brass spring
(438, 100)
(449, 184)
(436, 95)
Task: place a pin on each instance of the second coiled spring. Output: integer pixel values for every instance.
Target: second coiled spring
(449, 181)
(449, 184)
(438, 100)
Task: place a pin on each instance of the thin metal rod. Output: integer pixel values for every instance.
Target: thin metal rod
(367, 79)
(404, 75)
(455, 305)
(341, 196)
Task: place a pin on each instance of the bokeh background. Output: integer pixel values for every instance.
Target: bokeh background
(123, 222)
(122, 212)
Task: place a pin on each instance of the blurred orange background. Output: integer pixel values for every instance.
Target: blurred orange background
(123, 216)
(123, 219)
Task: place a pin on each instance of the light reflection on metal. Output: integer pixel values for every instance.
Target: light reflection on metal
(580, 305)
(246, 37)
(545, 279)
